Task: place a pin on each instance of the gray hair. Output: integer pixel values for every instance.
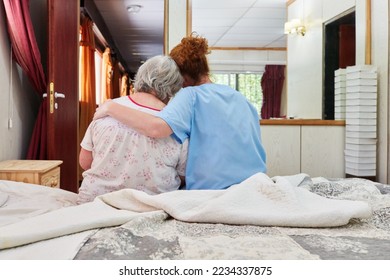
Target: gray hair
(160, 75)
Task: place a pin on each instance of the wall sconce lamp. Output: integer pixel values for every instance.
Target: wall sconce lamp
(134, 9)
(295, 26)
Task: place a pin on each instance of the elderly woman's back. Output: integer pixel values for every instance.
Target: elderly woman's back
(115, 156)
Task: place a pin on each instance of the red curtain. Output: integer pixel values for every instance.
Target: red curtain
(272, 86)
(27, 55)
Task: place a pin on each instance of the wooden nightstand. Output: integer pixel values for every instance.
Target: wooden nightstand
(40, 172)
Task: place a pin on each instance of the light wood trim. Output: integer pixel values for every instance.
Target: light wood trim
(189, 17)
(289, 2)
(368, 32)
(303, 122)
(246, 49)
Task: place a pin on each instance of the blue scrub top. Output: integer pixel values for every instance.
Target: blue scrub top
(225, 142)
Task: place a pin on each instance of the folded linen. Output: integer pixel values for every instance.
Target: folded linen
(256, 201)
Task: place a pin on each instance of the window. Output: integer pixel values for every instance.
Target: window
(248, 84)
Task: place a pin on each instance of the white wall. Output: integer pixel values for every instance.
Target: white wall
(380, 58)
(17, 102)
(305, 60)
(177, 23)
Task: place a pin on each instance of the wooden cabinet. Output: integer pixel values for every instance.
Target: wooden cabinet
(322, 151)
(40, 172)
(317, 150)
(282, 147)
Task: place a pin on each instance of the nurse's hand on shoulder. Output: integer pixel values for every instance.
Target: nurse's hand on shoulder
(102, 110)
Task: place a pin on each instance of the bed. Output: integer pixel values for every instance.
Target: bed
(281, 218)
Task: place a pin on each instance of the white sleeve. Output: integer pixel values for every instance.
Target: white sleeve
(87, 143)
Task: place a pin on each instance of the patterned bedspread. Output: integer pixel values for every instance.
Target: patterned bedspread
(161, 237)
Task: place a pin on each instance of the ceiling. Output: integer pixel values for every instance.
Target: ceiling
(225, 23)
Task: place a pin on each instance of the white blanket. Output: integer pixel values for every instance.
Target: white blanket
(19, 201)
(256, 201)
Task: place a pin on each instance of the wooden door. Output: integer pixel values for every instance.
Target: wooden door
(63, 53)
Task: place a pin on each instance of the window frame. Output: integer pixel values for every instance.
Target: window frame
(236, 85)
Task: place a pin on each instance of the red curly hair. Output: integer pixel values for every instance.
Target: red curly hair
(190, 56)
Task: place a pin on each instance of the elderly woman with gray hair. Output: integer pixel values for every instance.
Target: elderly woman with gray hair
(115, 156)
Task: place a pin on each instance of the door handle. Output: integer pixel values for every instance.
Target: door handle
(53, 95)
(56, 95)
(59, 95)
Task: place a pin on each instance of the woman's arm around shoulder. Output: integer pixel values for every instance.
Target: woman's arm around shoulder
(142, 122)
